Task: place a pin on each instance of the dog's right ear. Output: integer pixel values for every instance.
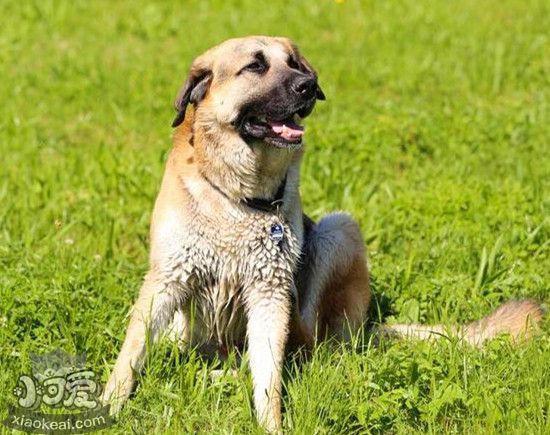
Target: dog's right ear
(193, 90)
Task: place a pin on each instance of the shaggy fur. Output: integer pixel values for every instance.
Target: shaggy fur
(212, 251)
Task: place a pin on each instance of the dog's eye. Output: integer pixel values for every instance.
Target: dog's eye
(293, 64)
(257, 67)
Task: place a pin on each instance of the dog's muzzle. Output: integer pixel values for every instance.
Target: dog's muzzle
(277, 119)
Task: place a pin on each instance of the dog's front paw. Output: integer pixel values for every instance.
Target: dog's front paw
(114, 397)
(115, 406)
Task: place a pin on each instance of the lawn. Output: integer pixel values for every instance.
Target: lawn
(435, 136)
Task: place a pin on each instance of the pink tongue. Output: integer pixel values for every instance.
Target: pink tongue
(287, 129)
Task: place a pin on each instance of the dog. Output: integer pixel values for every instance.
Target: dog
(233, 257)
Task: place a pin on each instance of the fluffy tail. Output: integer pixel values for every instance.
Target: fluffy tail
(516, 318)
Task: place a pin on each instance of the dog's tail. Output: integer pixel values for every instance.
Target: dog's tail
(515, 318)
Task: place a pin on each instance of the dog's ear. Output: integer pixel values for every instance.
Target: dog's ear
(193, 90)
(306, 66)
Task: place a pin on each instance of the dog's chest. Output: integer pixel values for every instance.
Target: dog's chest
(228, 264)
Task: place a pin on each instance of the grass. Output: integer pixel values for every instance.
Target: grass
(435, 136)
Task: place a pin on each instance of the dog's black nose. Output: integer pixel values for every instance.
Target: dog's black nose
(305, 87)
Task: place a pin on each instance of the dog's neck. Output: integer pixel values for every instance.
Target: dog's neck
(237, 169)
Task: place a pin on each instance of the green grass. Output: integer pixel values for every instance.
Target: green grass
(435, 136)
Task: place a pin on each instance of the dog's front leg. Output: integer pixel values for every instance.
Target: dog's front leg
(267, 329)
(150, 316)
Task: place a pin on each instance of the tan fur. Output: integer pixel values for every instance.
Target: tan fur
(212, 255)
(518, 319)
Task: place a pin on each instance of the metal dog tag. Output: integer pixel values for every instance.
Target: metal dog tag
(277, 233)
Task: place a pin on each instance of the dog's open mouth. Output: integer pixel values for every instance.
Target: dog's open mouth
(273, 123)
(281, 133)
(287, 129)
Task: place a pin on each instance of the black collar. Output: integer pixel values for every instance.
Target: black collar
(267, 205)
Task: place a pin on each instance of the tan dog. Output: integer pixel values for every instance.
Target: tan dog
(229, 237)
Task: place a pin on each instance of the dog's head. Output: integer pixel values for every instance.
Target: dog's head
(257, 87)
